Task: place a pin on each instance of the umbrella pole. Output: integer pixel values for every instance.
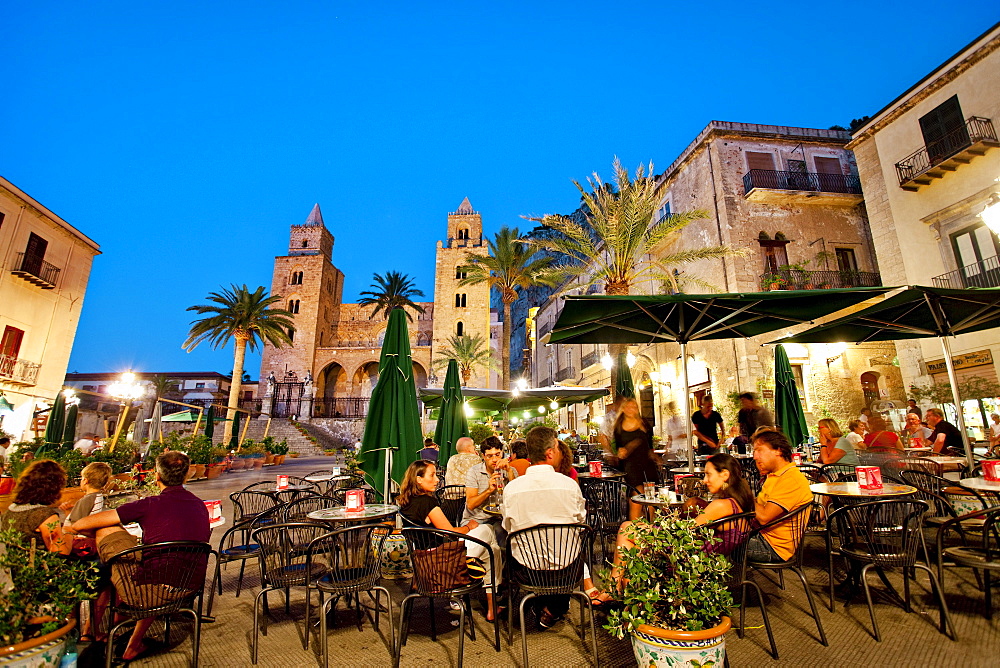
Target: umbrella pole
(687, 407)
(959, 418)
(385, 480)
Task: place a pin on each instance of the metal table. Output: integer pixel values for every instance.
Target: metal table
(981, 484)
(851, 492)
(656, 502)
(326, 478)
(493, 511)
(606, 473)
(371, 511)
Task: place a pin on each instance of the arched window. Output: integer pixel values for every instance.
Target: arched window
(296, 278)
(291, 334)
(463, 233)
(459, 273)
(459, 329)
(460, 300)
(305, 243)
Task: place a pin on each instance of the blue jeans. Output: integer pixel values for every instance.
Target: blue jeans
(758, 549)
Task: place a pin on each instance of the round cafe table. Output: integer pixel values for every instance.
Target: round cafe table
(657, 502)
(327, 478)
(371, 511)
(606, 473)
(492, 511)
(851, 492)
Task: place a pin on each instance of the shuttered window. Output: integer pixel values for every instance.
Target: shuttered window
(757, 160)
(944, 129)
(827, 165)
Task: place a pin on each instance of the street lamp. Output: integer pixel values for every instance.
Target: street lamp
(554, 405)
(607, 362)
(630, 359)
(991, 214)
(125, 390)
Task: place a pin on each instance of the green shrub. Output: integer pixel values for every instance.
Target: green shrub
(480, 432)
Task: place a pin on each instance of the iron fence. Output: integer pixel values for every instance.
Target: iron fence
(810, 181)
(19, 370)
(801, 279)
(34, 265)
(982, 274)
(973, 131)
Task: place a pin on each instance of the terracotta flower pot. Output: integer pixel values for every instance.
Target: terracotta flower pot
(46, 650)
(279, 459)
(655, 647)
(213, 471)
(268, 459)
(258, 462)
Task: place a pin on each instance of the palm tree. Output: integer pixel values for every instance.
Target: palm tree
(620, 231)
(395, 290)
(162, 386)
(236, 313)
(471, 352)
(511, 264)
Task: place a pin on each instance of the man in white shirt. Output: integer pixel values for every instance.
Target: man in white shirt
(543, 496)
(995, 430)
(459, 464)
(86, 445)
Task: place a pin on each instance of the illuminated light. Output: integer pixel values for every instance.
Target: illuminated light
(527, 414)
(516, 392)
(514, 420)
(522, 383)
(607, 362)
(654, 376)
(554, 405)
(991, 214)
(630, 359)
(541, 409)
(468, 409)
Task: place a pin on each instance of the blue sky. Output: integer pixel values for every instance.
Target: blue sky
(186, 137)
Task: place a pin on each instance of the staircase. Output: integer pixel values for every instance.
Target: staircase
(281, 429)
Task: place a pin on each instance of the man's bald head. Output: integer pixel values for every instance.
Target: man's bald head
(465, 444)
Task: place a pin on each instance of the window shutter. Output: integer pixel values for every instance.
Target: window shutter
(757, 160)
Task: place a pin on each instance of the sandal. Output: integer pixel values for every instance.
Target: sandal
(598, 597)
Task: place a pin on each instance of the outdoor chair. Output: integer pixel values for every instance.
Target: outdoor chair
(878, 459)
(985, 556)
(547, 560)
(235, 545)
(607, 507)
(882, 534)
(834, 472)
(751, 473)
(428, 564)
(798, 521)
(157, 580)
(352, 559)
(895, 466)
(284, 567)
(452, 500)
(247, 505)
(298, 510)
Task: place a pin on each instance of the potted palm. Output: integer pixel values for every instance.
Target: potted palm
(675, 595)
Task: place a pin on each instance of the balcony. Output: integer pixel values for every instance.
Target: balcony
(982, 274)
(590, 359)
(567, 372)
(798, 279)
(34, 269)
(21, 372)
(773, 187)
(958, 147)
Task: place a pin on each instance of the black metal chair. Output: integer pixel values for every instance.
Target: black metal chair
(835, 472)
(547, 560)
(751, 473)
(352, 557)
(897, 465)
(983, 557)
(428, 563)
(299, 509)
(883, 534)
(236, 545)
(452, 500)
(797, 521)
(283, 567)
(247, 505)
(607, 507)
(155, 580)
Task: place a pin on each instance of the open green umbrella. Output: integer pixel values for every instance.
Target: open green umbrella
(624, 387)
(55, 425)
(452, 424)
(787, 407)
(392, 424)
(210, 421)
(69, 431)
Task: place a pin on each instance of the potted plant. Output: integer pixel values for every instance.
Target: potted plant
(217, 459)
(36, 608)
(774, 281)
(675, 595)
(200, 452)
(280, 451)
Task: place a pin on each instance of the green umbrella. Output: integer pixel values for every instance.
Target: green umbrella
(54, 426)
(787, 407)
(69, 431)
(497, 401)
(210, 422)
(234, 442)
(623, 379)
(452, 424)
(392, 421)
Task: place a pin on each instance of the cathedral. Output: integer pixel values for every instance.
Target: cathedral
(336, 347)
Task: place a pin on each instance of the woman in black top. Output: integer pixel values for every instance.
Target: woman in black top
(418, 504)
(634, 439)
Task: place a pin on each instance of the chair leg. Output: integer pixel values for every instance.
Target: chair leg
(392, 624)
(868, 597)
(585, 603)
(947, 627)
(763, 614)
(461, 629)
(239, 581)
(906, 590)
(829, 551)
(305, 630)
(404, 628)
(467, 605)
(430, 603)
(195, 637)
(109, 648)
(166, 629)
(812, 605)
(524, 630)
(323, 644)
(987, 596)
(781, 580)
(257, 625)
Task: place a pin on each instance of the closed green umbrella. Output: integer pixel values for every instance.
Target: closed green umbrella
(234, 442)
(787, 407)
(624, 387)
(210, 422)
(452, 424)
(392, 421)
(69, 431)
(55, 425)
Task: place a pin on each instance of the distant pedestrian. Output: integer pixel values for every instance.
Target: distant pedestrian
(430, 451)
(911, 407)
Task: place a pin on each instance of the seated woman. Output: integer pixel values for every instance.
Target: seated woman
(834, 447)
(34, 512)
(519, 456)
(566, 461)
(418, 504)
(879, 440)
(724, 479)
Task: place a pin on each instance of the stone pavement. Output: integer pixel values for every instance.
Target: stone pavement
(908, 639)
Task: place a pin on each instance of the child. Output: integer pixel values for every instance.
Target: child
(94, 479)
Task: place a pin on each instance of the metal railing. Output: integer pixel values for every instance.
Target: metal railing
(34, 265)
(566, 372)
(800, 279)
(18, 370)
(590, 359)
(340, 407)
(982, 274)
(975, 130)
(811, 181)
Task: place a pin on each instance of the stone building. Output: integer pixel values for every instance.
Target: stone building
(791, 198)
(930, 163)
(338, 345)
(44, 269)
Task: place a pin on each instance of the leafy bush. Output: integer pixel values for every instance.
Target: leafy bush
(479, 431)
(275, 447)
(199, 450)
(73, 463)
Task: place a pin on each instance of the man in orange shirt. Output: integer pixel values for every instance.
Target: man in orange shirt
(785, 489)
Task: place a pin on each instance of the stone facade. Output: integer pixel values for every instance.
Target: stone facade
(340, 344)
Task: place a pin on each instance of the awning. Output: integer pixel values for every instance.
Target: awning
(482, 399)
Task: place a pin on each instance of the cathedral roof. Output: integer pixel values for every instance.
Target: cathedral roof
(464, 207)
(315, 217)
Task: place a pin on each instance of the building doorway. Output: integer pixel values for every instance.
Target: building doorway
(869, 387)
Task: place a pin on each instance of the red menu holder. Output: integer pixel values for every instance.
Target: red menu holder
(677, 480)
(354, 500)
(596, 469)
(282, 482)
(797, 458)
(991, 470)
(215, 517)
(869, 477)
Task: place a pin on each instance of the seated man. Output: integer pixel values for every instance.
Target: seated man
(484, 479)
(459, 464)
(543, 496)
(785, 489)
(429, 451)
(176, 514)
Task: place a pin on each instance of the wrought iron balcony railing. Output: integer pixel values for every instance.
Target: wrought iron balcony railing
(564, 373)
(799, 279)
(34, 269)
(944, 155)
(590, 359)
(808, 181)
(982, 274)
(19, 371)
